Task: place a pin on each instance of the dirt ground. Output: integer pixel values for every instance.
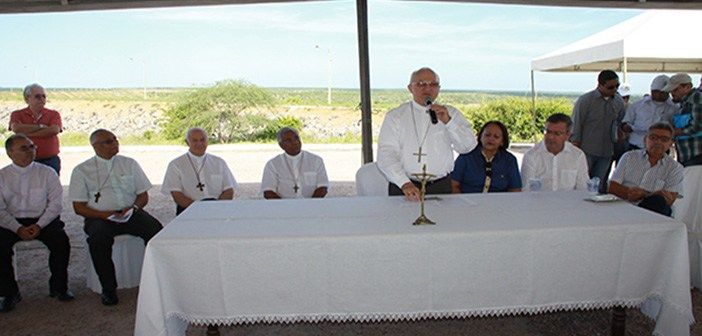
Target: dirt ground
(38, 314)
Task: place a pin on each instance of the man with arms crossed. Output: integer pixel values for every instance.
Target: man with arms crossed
(649, 177)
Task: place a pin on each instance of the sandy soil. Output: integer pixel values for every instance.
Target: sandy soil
(38, 314)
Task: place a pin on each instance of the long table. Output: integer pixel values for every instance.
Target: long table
(360, 259)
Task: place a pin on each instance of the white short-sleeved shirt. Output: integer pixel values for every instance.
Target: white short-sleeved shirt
(644, 113)
(118, 180)
(29, 192)
(634, 170)
(279, 176)
(565, 171)
(181, 175)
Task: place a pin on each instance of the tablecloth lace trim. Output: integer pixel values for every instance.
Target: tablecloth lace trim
(416, 316)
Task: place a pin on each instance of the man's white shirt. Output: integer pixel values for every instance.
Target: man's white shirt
(118, 190)
(29, 192)
(398, 142)
(565, 171)
(280, 177)
(644, 113)
(181, 175)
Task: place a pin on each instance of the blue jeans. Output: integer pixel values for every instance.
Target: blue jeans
(53, 162)
(599, 166)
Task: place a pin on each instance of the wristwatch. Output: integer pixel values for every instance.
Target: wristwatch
(135, 207)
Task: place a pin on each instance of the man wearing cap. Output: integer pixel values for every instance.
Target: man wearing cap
(649, 110)
(595, 116)
(40, 124)
(422, 133)
(688, 124)
(622, 144)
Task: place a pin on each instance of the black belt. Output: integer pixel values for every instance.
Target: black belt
(433, 181)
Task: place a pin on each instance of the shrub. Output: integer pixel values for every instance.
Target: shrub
(516, 113)
(270, 131)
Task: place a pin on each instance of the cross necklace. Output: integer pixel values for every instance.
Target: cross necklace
(197, 171)
(102, 185)
(296, 173)
(426, 132)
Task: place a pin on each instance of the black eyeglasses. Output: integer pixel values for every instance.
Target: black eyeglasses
(424, 84)
(107, 142)
(39, 96)
(488, 169)
(612, 87)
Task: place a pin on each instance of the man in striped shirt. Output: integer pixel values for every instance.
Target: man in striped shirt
(649, 177)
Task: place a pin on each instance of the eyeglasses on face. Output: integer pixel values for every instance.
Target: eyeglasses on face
(661, 138)
(39, 96)
(612, 87)
(424, 84)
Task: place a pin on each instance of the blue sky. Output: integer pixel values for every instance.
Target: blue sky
(472, 46)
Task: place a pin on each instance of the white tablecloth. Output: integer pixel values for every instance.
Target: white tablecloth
(360, 259)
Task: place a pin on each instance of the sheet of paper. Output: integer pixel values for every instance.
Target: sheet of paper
(121, 219)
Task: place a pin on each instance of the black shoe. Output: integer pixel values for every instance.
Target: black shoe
(212, 330)
(8, 303)
(65, 296)
(109, 297)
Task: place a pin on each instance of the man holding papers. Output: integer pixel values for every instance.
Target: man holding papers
(110, 191)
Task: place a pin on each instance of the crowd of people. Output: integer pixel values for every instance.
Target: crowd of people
(110, 190)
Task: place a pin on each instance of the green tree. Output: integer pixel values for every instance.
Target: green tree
(227, 111)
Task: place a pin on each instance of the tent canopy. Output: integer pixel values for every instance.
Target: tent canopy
(655, 41)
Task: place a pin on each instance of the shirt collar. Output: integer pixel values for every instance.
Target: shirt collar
(195, 158)
(293, 159)
(23, 170)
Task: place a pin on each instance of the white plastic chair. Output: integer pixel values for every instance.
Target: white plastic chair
(370, 181)
(128, 256)
(687, 210)
(25, 245)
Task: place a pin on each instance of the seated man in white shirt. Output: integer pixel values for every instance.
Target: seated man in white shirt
(110, 191)
(30, 206)
(295, 173)
(421, 132)
(555, 162)
(197, 175)
(650, 177)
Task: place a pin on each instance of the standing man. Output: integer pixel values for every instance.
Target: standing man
(595, 124)
(110, 192)
(649, 177)
(295, 173)
(197, 175)
(30, 206)
(40, 124)
(555, 162)
(418, 133)
(688, 125)
(649, 110)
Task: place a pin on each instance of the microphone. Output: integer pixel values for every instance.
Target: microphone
(432, 113)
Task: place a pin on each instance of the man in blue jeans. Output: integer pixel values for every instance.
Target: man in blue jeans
(595, 123)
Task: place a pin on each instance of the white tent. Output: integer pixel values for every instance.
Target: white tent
(655, 41)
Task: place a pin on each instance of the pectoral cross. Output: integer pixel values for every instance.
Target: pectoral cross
(296, 188)
(200, 185)
(97, 197)
(419, 155)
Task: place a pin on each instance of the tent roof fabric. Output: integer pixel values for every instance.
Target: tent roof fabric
(646, 43)
(35, 6)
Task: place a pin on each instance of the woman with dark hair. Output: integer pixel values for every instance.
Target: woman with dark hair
(489, 167)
